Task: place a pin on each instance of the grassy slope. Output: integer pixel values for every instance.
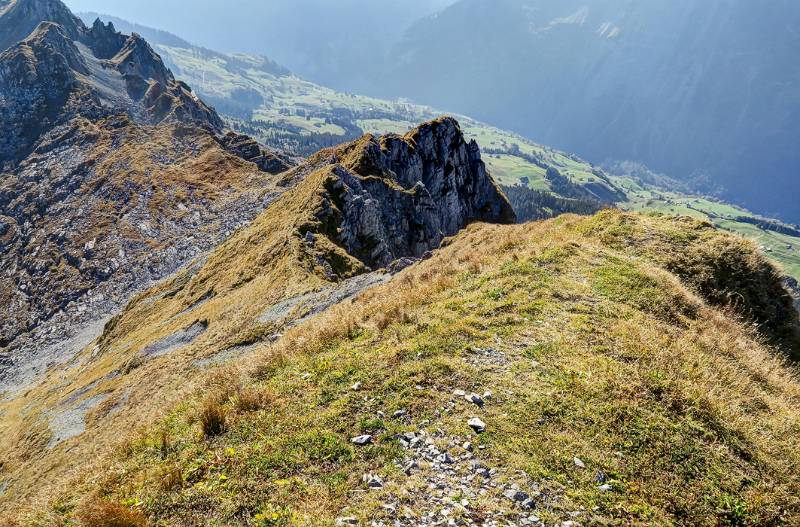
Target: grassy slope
(268, 257)
(286, 96)
(598, 353)
(722, 215)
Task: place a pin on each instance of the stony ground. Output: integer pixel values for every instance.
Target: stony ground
(444, 479)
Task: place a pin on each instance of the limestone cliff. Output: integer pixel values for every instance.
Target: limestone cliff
(389, 197)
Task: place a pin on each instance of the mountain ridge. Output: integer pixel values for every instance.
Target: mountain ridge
(203, 331)
(114, 174)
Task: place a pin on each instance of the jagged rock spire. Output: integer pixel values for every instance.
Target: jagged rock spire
(395, 196)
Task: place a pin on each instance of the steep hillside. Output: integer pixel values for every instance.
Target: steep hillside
(261, 98)
(339, 43)
(688, 88)
(114, 174)
(362, 205)
(543, 374)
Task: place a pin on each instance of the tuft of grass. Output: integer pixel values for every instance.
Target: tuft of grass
(251, 400)
(164, 444)
(212, 418)
(171, 479)
(102, 513)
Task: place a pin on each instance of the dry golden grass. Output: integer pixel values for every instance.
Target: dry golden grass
(251, 400)
(101, 513)
(257, 267)
(633, 358)
(212, 418)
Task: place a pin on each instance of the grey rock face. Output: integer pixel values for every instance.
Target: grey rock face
(175, 341)
(250, 150)
(395, 196)
(790, 283)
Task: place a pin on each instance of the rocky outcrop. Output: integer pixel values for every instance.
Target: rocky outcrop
(250, 150)
(390, 197)
(39, 86)
(105, 40)
(792, 286)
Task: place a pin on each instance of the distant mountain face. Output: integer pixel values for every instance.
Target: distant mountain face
(153, 36)
(158, 37)
(690, 88)
(338, 43)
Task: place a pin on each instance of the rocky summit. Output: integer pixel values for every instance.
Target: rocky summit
(392, 196)
(49, 79)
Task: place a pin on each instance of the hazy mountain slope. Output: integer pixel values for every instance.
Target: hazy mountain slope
(18, 19)
(288, 112)
(159, 37)
(339, 43)
(152, 35)
(611, 394)
(689, 88)
(261, 98)
(362, 205)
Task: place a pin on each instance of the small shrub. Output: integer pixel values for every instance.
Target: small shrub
(395, 314)
(126, 447)
(103, 513)
(212, 418)
(732, 512)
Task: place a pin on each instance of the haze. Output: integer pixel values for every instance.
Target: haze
(705, 92)
(321, 39)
